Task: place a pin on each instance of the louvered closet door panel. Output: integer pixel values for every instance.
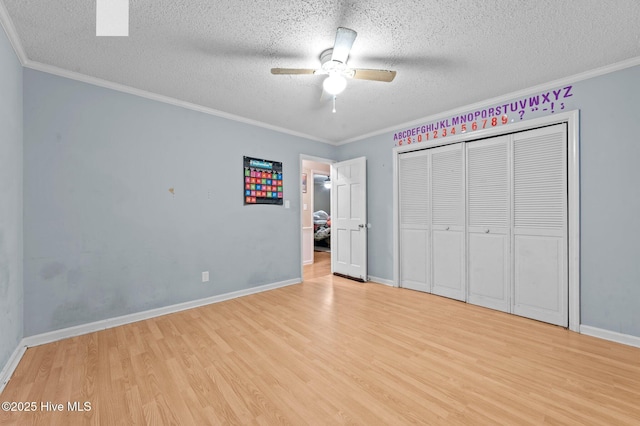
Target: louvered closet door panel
(488, 223)
(540, 224)
(413, 174)
(447, 221)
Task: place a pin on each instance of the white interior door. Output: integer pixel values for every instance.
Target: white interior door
(540, 224)
(413, 180)
(489, 223)
(349, 218)
(448, 221)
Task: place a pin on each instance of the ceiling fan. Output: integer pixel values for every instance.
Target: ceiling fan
(334, 64)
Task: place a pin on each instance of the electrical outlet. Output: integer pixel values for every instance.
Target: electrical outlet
(205, 277)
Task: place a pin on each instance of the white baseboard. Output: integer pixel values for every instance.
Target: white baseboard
(381, 281)
(53, 336)
(40, 339)
(11, 364)
(625, 339)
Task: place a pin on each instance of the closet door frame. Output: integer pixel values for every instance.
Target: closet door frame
(572, 118)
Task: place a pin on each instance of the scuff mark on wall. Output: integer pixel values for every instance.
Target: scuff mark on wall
(85, 309)
(74, 276)
(52, 270)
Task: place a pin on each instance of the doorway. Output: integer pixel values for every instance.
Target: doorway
(321, 212)
(347, 219)
(315, 209)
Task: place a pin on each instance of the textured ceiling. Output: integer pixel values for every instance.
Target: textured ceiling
(218, 54)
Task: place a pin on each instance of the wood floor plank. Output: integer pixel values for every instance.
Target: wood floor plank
(331, 351)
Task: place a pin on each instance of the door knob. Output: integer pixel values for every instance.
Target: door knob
(446, 229)
(361, 225)
(486, 231)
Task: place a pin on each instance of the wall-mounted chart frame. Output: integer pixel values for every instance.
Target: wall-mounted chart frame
(262, 180)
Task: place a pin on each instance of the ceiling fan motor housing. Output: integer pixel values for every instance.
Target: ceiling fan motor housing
(332, 66)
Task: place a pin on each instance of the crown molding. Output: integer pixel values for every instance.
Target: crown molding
(50, 69)
(520, 93)
(12, 34)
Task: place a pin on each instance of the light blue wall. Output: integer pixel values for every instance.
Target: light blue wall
(105, 237)
(378, 151)
(610, 199)
(11, 291)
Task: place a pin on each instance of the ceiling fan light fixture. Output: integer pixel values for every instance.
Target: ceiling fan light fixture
(334, 84)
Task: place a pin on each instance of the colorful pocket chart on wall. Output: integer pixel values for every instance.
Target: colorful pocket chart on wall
(262, 181)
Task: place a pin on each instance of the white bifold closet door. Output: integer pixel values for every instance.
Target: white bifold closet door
(432, 252)
(486, 221)
(413, 178)
(447, 221)
(540, 249)
(489, 223)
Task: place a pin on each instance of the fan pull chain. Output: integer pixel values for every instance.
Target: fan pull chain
(334, 105)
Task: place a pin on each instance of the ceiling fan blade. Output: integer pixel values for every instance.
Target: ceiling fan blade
(286, 71)
(341, 48)
(375, 75)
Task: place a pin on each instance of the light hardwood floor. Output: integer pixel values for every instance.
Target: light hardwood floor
(321, 265)
(331, 351)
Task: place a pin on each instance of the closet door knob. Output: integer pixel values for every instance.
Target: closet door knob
(446, 229)
(486, 231)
